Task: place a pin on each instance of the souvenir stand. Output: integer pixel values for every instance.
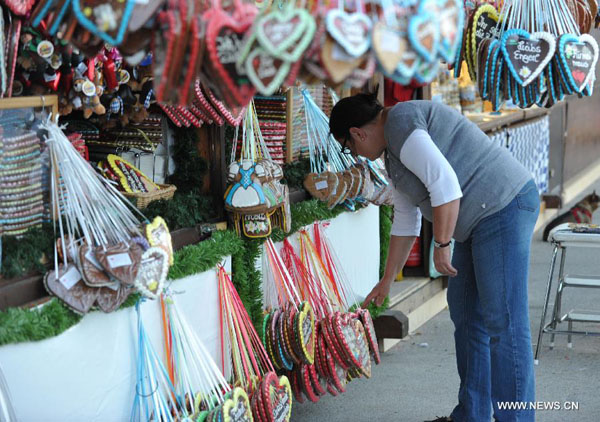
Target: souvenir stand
(181, 237)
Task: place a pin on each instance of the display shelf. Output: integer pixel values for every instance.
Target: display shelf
(489, 122)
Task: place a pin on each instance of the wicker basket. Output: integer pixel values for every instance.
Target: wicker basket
(142, 199)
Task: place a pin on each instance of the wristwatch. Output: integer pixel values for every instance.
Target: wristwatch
(441, 245)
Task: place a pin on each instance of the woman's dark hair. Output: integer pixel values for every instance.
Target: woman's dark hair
(354, 111)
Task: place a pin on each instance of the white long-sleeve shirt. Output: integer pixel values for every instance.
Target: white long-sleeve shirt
(422, 157)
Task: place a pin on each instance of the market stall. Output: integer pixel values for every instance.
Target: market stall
(181, 236)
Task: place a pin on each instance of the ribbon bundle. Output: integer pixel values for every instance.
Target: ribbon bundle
(271, 396)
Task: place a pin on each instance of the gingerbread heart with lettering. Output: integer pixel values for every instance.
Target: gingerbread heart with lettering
(69, 288)
(360, 347)
(352, 31)
(389, 46)
(277, 396)
(365, 317)
(578, 56)
(237, 408)
(158, 234)
(130, 177)
(286, 33)
(451, 20)
(121, 261)
(224, 41)
(483, 24)
(306, 332)
(424, 33)
(527, 55)
(152, 272)
(265, 71)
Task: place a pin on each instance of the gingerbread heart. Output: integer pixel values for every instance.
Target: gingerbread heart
(359, 347)
(306, 332)
(91, 270)
(423, 32)
(527, 55)
(131, 178)
(237, 408)
(389, 46)
(69, 288)
(451, 19)
(361, 74)
(286, 33)
(350, 30)
(578, 57)
(365, 317)
(20, 7)
(336, 61)
(110, 298)
(277, 396)
(120, 261)
(224, 41)
(484, 25)
(265, 71)
(158, 234)
(321, 185)
(152, 272)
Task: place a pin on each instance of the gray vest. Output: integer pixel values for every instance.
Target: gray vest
(488, 174)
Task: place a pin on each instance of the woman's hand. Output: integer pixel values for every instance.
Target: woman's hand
(379, 292)
(442, 259)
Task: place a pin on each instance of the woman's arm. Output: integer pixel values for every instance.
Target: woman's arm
(444, 222)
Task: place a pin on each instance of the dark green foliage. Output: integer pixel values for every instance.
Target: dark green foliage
(294, 173)
(25, 254)
(190, 168)
(247, 280)
(385, 228)
(184, 210)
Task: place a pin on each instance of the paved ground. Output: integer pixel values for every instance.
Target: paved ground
(414, 383)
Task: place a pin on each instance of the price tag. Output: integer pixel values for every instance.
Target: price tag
(321, 185)
(70, 278)
(119, 260)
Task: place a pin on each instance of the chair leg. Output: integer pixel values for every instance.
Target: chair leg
(558, 299)
(569, 341)
(546, 299)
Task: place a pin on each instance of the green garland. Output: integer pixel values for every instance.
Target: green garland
(386, 213)
(294, 173)
(19, 325)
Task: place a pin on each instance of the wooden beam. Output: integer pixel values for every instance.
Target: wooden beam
(391, 324)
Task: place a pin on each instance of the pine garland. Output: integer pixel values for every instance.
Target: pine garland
(385, 228)
(19, 325)
(27, 253)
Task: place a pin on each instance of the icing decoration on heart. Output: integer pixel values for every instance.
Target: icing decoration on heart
(277, 396)
(389, 46)
(79, 297)
(158, 234)
(306, 332)
(120, 261)
(349, 30)
(224, 41)
(21, 7)
(426, 72)
(234, 116)
(265, 71)
(130, 177)
(423, 31)
(237, 408)
(578, 57)
(152, 272)
(451, 20)
(483, 25)
(286, 33)
(526, 55)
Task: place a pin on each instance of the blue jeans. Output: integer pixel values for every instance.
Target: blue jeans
(489, 307)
